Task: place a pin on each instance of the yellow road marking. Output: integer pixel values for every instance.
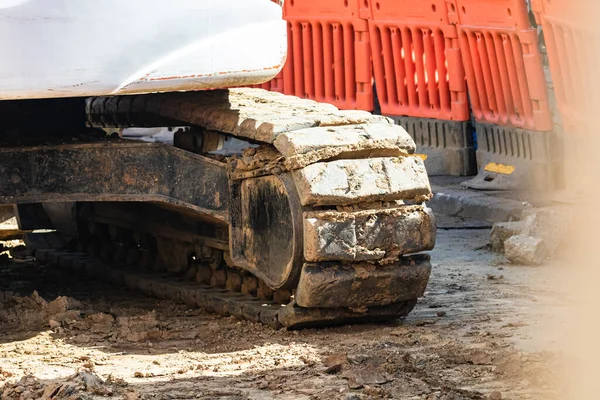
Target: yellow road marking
(500, 168)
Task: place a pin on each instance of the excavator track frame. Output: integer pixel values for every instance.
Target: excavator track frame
(343, 252)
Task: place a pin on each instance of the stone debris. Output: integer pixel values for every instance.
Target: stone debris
(335, 363)
(549, 225)
(501, 231)
(23, 312)
(38, 299)
(70, 318)
(358, 377)
(81, 385)
(64, 312)
(62, 304)
(139, 328)
(522, 249)
(34, 312)
(534, 239)
(101, 323)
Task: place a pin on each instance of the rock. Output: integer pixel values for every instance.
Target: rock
(139, 328)
(101, 322)
(495, 396)
(101, 318)
(548, 225)
(50, 390)
(76, 386)
(67, 317)
(368, 235)
(527, 250)
(62, 304)
(345, 182)
(57, 306)
(368, 375)
(334, 363)
(90, 381)
(54, 324)
(501, 231)
(38, 299)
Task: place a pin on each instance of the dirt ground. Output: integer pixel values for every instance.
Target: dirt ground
(484, 329)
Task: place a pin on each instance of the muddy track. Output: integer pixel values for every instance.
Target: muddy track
(232, 293)
(323, 209)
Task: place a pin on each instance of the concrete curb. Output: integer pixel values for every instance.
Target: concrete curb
(473, 204)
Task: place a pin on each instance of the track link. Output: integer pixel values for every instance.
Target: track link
(220, 300)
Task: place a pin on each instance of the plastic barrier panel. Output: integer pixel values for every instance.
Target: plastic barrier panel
(446, 146)
(416, 58)
(502, 63)
(329, 53)
(572, 53)
(572, 40)
(511, 158)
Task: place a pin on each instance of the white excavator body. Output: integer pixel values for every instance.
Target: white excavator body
(76, 48)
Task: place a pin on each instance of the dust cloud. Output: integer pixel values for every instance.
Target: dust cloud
(583, 174)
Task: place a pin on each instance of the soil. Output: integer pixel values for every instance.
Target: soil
(484, 330)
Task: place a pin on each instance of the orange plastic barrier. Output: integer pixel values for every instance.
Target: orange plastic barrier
(416, 58)
(328, 53)
(573, 47)
(502, 63)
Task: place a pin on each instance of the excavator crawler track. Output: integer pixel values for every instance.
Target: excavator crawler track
(315, 223)
(220, 300)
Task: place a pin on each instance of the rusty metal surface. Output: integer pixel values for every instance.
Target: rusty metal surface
(115, 171)
(266, 228)
(154, 219)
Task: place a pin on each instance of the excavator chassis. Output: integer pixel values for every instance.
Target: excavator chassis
(313, 224)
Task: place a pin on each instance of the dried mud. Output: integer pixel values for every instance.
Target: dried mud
(482, 331)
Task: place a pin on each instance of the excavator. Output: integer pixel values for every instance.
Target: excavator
(267, 207)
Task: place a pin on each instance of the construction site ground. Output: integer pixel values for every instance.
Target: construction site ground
(484, 330)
